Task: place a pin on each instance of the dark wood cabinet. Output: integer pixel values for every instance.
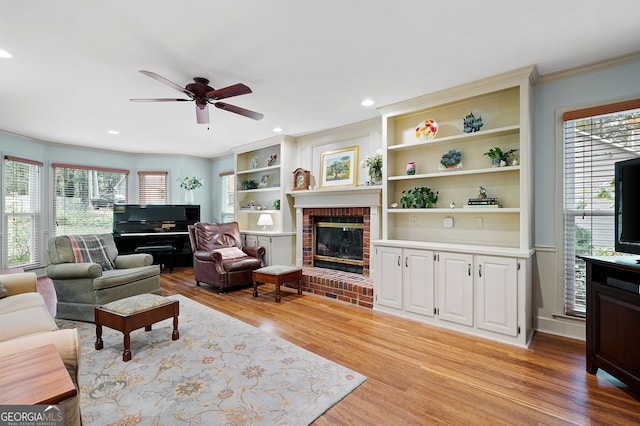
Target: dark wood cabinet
(613, 317)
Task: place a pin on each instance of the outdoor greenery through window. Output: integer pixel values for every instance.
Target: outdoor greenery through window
(84, 198)
(22, 219)
(594, 140)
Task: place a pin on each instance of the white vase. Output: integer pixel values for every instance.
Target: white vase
(188, 196)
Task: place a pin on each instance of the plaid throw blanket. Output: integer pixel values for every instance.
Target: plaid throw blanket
(90, 249)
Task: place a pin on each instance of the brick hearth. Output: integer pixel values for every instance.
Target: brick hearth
(352, 288)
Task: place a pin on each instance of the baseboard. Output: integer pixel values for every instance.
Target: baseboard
(571, 329)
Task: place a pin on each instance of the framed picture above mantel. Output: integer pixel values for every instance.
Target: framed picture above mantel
(339, 168)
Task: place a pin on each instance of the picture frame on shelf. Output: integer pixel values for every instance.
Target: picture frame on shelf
(264, 181)
(301, 179)
(339, 168)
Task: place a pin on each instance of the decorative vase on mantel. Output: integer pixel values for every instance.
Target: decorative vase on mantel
(375, 176)
(188, 196)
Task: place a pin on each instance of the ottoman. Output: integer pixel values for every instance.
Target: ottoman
(132, 313)
(278, 275)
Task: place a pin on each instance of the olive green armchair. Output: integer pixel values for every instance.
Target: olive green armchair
(87, 272)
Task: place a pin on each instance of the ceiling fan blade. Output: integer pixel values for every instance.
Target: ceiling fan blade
(167, 82)
(202, 114)
(239, 110)
(227, 92)
(161, 100)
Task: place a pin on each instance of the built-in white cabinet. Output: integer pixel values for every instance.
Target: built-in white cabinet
(497, 288)
(388, 270)
(479, 232)
(418, 280)
(483, 294)
(455, 285)
(278, 247)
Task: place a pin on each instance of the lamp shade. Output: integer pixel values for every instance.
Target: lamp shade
(265, 220)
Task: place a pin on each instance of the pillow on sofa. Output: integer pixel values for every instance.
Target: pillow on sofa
(90, 249)
(231, 253)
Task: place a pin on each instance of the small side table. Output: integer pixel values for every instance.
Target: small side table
(35, 376)
(135, 312)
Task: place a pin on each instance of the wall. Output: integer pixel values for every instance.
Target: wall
(551, 99)
(177, 166)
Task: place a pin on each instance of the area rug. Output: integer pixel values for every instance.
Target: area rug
(220, 371)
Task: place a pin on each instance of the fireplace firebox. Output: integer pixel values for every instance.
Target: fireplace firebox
(338, 243)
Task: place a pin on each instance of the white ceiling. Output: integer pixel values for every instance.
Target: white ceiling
(309, 63)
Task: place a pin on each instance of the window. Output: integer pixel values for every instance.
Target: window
(227, 213)
(84, 198)
(21, 219)
(594, 140)
(152, 187)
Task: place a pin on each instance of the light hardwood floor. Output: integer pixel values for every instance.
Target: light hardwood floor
(422, 375)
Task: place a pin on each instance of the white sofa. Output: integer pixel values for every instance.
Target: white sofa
(25, 323)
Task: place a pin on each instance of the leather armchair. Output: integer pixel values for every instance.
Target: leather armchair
(219, 258)
(82, 286)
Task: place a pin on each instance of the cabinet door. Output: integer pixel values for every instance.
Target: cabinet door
(250, 240)
(497, 301)
(268, 249)
(455, 287)
(418, 279)
(388, 277)
(280, 250)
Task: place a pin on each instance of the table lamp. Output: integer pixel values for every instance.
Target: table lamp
(264, 221)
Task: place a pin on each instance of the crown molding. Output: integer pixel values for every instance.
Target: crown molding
(589, 68)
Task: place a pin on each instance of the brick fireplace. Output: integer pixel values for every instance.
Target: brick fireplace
(347, 203)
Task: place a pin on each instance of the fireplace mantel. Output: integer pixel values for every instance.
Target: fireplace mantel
(360, 196)
(368, 197)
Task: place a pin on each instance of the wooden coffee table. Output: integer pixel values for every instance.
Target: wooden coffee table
(35, 376)
(135, 312)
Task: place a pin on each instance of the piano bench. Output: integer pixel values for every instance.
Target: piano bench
(165, 255)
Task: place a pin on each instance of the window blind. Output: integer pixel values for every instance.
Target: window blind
(84, 197)
(227, 191)
(152, 187)
(592, 145)
(22, 213)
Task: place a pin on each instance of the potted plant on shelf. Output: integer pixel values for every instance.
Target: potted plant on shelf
(189, 184)
(248, 184)
(451, 159)
(419, 197)
(499, 157)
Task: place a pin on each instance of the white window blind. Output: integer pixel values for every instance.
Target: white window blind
(22, 219)
(152, 187)
(84, 198)
(227, 192)
(594, 140)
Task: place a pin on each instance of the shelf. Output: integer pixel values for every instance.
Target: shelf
(259, 169)
(465, 137)
(456, 173)
(272, 189)
(258, 211)
(474, 210)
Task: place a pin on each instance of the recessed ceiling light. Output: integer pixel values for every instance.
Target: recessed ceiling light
(367, 102)
(277, 129)
(5, 54)
(113, 132)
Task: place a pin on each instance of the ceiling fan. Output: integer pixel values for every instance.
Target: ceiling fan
(200, 92)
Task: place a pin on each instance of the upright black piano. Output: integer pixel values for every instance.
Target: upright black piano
(137, 225)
